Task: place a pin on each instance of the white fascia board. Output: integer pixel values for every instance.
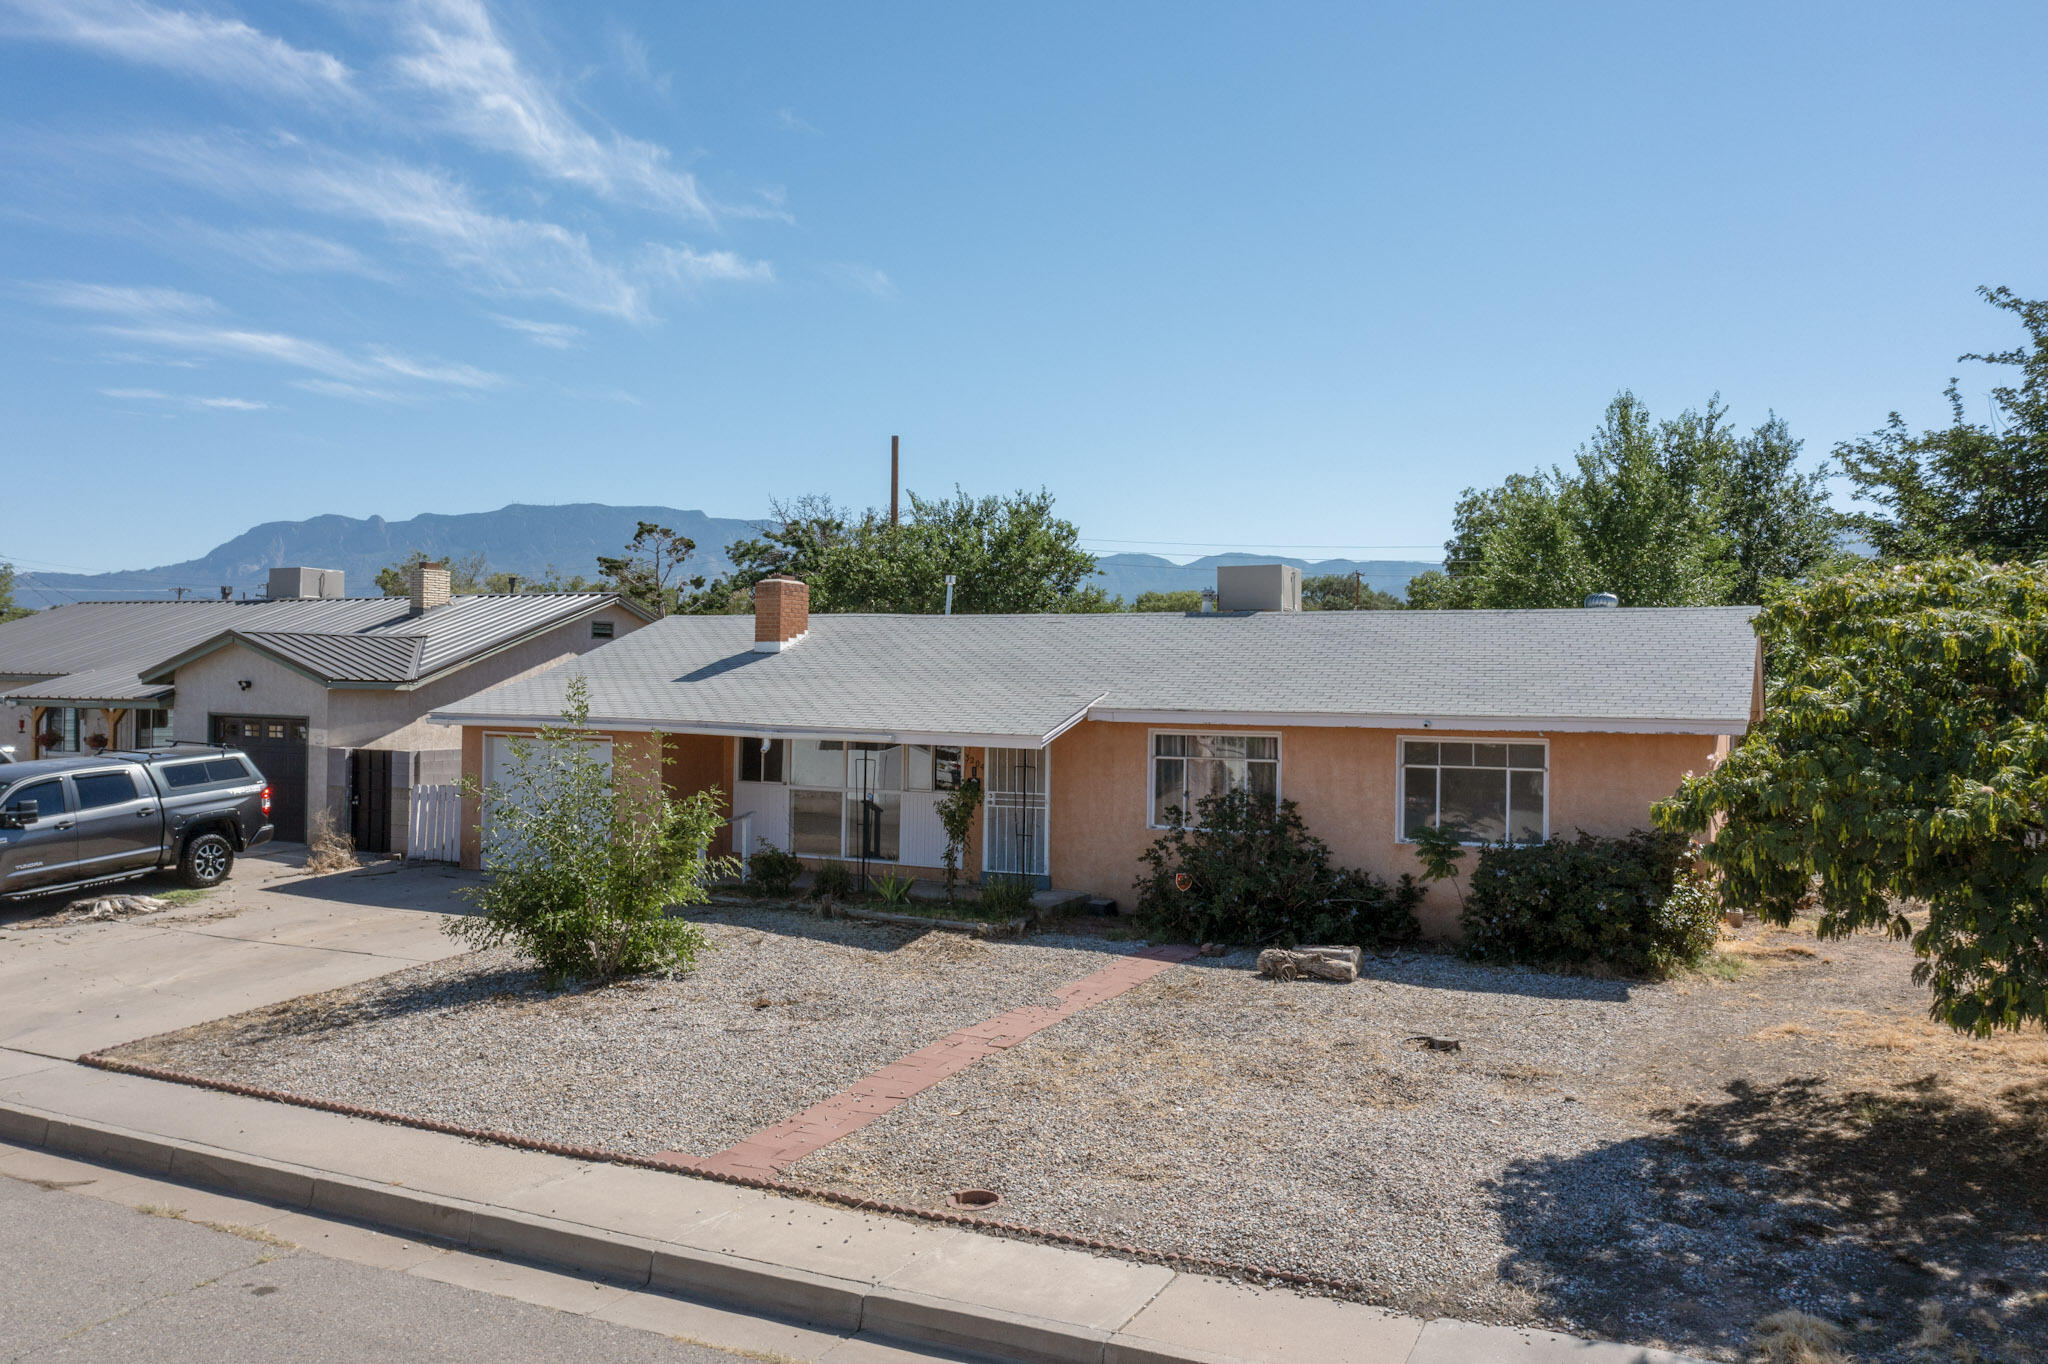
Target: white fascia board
(1518, 724)
(635, 725)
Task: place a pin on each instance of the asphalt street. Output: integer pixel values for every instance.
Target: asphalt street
(92, 1280)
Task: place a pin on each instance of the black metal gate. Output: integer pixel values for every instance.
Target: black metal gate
(277, 745)
(369, 799)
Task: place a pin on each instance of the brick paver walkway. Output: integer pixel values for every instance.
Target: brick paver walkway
(769, 1151)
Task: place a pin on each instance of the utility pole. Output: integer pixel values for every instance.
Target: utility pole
(895, 474)
(1357, 589)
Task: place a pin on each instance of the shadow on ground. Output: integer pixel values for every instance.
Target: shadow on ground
(1861, 1206)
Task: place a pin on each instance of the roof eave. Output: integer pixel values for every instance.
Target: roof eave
(641, 725)
(1557, 724)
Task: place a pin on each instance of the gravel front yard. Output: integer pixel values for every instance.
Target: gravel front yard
(1654, 1163)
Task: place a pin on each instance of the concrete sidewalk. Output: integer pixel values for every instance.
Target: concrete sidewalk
(810, 1275)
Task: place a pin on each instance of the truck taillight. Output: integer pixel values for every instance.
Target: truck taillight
(266, 800)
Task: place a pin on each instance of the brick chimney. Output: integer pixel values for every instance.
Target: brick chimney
(429, 588)
(782, 612)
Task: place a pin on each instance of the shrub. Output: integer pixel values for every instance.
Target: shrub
(582, 872)
(833, 881)
(1631, 904)
(772, 870)
(893, 890)
(1252, 873)
(1004, 897)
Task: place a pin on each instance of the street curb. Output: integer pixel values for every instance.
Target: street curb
(701, 1275)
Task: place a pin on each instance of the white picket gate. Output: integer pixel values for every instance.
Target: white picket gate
(434, 827)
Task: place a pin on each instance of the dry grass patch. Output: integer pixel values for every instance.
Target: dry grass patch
(1791, 1337)
(329, 848)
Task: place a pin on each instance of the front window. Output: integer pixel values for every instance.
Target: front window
(60, 730)
(1495, 792)
(846, 795)
(153, 728)
(1188, 768)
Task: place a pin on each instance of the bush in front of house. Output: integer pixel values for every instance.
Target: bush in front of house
(832, 881)
(1247, 870)
(772, 871)
(1631, 904)
(580, 872)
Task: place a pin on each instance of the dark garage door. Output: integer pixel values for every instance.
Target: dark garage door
(277, 745)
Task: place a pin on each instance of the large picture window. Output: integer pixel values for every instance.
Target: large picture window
(1496, 792)
(833, 782)
(1186, 768)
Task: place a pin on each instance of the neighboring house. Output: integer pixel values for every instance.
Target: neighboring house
(1087, 729)
(327, 693)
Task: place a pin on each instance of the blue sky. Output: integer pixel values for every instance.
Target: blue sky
(1219, 276)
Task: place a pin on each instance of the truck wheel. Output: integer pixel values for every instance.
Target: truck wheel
(206, 861)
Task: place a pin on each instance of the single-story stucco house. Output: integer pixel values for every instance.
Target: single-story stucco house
(329, 694)
(1087, 728)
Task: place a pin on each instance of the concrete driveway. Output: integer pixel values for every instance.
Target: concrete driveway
(268, 934)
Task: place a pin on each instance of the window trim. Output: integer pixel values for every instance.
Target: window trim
(1401, 778)
(1151, 757)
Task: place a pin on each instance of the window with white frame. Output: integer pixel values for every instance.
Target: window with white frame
(833, 782)
(1187, 768)
(1495, 792)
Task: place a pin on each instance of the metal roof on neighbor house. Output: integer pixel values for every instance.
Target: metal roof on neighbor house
(1024, 678)
(127, 651)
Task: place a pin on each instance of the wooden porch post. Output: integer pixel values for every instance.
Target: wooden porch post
(113, 719)
(35, 731)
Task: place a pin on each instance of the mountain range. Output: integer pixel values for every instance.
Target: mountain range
(533, 540)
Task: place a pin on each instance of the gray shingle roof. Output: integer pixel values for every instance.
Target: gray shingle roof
(102, 650)
(1025, 677)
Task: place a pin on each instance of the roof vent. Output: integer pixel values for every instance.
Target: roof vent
(290, 584)
(1258, 587)
(1602, 601)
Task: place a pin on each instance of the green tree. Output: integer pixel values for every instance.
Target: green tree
(581, 871)
(650, 571)
(1007, 554)
(1972, 488)
(1189, 600)
(1903, 757)
(1344, 592)
(466, 575)
(9, 610)
(1684, 512)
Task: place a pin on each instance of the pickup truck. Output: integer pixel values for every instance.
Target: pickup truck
(78, 821)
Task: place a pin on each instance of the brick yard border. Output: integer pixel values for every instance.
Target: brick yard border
(773, 1149)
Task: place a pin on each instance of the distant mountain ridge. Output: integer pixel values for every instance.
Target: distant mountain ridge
(521, 538)
(528, 540)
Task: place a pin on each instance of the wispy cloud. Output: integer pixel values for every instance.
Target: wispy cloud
(359, 393)
(170, 320)
(790, 121)
(523, 257)
(190, 42)
(637, 61)
(553, 335)
(689, 267)
(865, 278)
(454, 55)
(185, 400)
(282, 251)
(124, 300)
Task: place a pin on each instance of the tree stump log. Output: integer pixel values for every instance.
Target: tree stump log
(1311, 963)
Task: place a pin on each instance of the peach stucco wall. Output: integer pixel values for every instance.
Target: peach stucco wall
(1344, 782)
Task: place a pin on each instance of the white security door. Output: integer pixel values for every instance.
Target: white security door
(1014, 833)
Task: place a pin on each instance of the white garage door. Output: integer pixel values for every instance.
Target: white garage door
(501, 761)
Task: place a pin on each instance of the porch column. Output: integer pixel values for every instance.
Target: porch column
(35, 731)
(113, 719)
